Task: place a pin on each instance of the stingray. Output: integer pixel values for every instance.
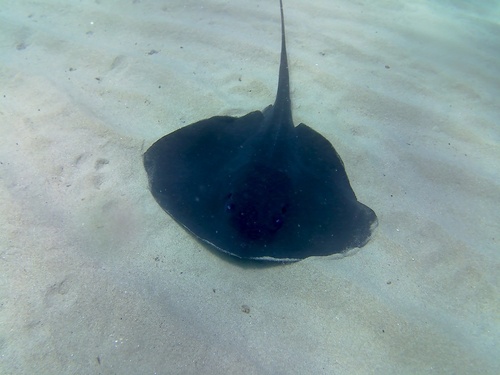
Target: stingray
(258, 187)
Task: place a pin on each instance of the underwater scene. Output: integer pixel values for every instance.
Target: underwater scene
(234, 187)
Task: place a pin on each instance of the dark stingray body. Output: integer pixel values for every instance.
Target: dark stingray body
(257, 186)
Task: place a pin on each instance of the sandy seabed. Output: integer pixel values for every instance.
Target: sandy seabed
(96, 279)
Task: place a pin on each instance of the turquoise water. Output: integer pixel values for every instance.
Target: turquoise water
(96, 278)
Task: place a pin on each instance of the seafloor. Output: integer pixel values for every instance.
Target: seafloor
(96, 279)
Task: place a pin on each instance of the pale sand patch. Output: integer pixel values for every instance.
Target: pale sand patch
(96, 278)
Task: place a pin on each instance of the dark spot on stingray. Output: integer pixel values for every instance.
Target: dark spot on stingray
(245, 309)
(258, 187)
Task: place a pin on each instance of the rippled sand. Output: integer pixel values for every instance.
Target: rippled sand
(96, 278)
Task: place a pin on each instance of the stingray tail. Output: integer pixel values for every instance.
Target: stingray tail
(283, 103)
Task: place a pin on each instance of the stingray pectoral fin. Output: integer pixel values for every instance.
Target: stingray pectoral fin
(320, 157)
(187, 154)
(184, 166)
(324, 192)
